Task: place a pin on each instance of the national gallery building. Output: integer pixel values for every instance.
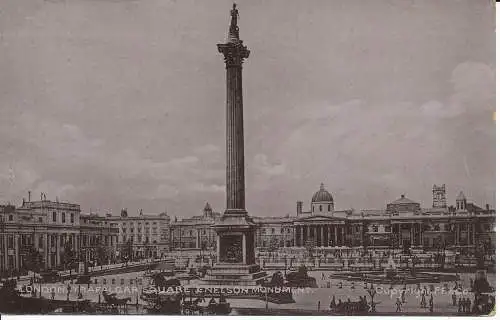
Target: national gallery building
(403, 224)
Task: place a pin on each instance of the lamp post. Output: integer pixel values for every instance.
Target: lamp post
(372, 292)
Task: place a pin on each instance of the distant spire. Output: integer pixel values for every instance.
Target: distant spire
(234, 31)
(322, 186)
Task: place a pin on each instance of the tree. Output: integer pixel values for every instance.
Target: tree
(310, 245)
(274, 244)
(69, 254)
(33, 260)
(101, 255)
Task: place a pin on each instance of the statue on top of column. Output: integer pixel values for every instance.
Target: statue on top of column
(234, 34)
(234, 15)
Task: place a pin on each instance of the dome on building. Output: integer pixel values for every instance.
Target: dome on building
(403, 200)
(322, 195)
(461, 196)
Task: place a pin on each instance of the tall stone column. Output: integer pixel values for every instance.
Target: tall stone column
(321, 238)
(234, 54)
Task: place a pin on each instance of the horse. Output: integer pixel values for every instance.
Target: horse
(112, 300)
(192, 307)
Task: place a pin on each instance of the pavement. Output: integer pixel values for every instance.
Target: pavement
(129, 285)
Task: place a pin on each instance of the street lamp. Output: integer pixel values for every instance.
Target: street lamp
(372, 292)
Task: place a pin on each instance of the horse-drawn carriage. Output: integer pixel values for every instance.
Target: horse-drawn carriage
(193, 307)
(112, 304)
(349, 308)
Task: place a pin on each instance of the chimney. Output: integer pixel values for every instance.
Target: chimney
(299, 208)
(487, 208)
(29, 196)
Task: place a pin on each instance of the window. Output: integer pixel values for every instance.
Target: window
(313, 209)
(103, 280)
(122, 281)
(40, 220)
(113, 281)
(54, 216)
(63, 217)
(72, 218)
(272, 230)
(320, 208)
(11, 217)
(281, 230)
(387, 228)
(329, 207)
(154, 223)
(264, 243)
(375, 228)
(357, 229)
(288, 231)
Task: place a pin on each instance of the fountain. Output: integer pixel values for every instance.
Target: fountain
(394, 275)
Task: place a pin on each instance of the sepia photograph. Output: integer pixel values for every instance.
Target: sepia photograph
(248, 158)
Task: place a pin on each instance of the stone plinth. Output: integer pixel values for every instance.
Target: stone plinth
(227, 274)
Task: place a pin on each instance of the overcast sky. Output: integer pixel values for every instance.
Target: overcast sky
(121, 103)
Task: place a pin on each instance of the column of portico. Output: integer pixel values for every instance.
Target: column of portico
(421, 234)
(5, 251)
(218, 249)
(335, 235)
(328, 230)
(457, 231)
(468, 233)
(321, 236)
(16, 252)
(304, 236)
(300, 236)
(45, 248)
(473, 234)
(58, 247)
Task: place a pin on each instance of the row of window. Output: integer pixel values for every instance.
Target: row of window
(124, 224)
(63, 217)
(139, 230)
(138, 239)
(321, 208)
(273, 231)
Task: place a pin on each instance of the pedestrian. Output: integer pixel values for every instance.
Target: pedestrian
(332, 304)
(423, 303)
(403, 296)
(454, 298)
(319, 305)
(431, 303)
(398, 305)
(53, 293)
(322, 276)
(468, 305)
(460, 303)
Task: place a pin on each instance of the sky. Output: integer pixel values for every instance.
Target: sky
(121, 103)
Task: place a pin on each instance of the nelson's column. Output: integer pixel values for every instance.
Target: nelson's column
(236, 230)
